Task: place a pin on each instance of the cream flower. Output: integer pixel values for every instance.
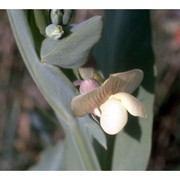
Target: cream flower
(111, 101)
(114, 116)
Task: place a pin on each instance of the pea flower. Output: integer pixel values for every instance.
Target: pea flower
(111, 101)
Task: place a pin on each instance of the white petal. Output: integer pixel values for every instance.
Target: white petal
(97, 112)
(113, 116)
(132, 104)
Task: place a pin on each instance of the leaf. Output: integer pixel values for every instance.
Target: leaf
(73, 50)
(76, 159)
(40, 19)
(95, 132)
(58, 91)
(52, 158)
(126, 44)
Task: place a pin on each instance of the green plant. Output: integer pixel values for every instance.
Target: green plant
(48, 49)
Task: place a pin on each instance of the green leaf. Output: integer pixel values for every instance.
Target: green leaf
(41, 20)
(73, 50)
(52, 158)
(125, 45)
(95, 132)
(58, 91)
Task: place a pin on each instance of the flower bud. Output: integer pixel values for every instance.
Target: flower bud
(54, 31)
(88, 85)
(56, 16)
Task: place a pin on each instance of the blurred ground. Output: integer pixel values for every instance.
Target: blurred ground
(27, 123)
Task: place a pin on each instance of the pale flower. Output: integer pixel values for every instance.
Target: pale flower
(110, 101)
(114, 111)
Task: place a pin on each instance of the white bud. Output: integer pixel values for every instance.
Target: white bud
(54, 31)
